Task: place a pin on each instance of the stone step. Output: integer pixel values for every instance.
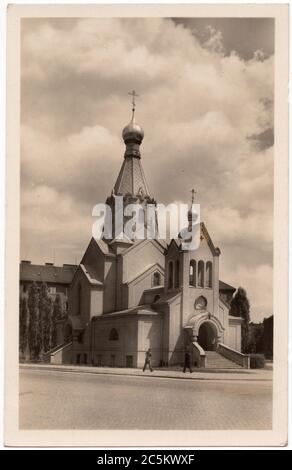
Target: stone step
(214, 360)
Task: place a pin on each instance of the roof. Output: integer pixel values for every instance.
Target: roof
(168, 298)
(91, 274)
(46, 273)
(225, 286)
(131, 179)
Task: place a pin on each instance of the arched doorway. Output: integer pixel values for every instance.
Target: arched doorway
(207, 337)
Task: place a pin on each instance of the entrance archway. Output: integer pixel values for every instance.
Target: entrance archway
(207, 337)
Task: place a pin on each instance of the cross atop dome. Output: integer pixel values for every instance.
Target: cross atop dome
(134, 95)
(133, 134)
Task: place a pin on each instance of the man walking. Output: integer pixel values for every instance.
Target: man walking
(148, 360)
(187, 364)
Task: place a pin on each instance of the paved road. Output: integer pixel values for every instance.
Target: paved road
(62, 400)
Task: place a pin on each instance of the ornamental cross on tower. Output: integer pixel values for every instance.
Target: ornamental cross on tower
(134, 95)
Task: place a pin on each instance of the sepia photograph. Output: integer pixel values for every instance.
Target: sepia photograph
(147, 209)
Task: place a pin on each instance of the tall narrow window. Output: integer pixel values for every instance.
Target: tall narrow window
(156, 279)
(79, 299)
(201, 273)
(170, 275)
(192, 277)
(176, 274)
(209, 274)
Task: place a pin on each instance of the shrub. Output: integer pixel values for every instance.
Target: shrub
(257, 361)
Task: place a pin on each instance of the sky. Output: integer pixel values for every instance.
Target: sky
(206, 107)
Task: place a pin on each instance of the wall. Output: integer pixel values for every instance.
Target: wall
(73, 295)
(176, 339)
(137, 287)
(109, 302)
(141, 257)
(127, 328)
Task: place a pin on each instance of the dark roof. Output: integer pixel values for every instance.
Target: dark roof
(46, 273)
(224, 286)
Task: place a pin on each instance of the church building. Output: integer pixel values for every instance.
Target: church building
(128, 295)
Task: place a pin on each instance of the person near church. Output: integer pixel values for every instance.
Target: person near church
(148, 360)
(187, 363)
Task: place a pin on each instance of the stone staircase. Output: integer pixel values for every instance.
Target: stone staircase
(214, 360)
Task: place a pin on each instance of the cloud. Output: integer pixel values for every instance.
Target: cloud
(207, 117)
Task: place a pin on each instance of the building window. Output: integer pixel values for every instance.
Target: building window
(78, 357)
(209, 274)
(192, 275)
(52, 290)
(170, 275)
(99, 360)
(114, 335)
(156, 279)
(156, 298)
(176, 274)
(201, 273)
(85, 358)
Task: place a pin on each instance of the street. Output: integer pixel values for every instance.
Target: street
(63, 400)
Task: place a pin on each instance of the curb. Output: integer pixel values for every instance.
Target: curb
(183, 377)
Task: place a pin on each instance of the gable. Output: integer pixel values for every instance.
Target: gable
(94, 260)
(142, 255)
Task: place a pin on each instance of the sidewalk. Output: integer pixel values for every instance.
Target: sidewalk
(198, 374)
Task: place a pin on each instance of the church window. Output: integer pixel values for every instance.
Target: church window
(192, 276)
(156, 279)
(201, 273)
(201, 303)
(170, 275)
(114, 335)
(176, 274)
(209, 274)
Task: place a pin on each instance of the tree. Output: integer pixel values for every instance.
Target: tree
(56, 315)
(240, 307)
(45, 311)
(34, 333)
(23, 325)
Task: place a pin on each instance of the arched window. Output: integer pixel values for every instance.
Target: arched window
(201, 273)
(170, 275)
(79, 299)
(156, 298)
(114, 335)
(156, 279)
(209, 274)
(192, 276)
(176, 274)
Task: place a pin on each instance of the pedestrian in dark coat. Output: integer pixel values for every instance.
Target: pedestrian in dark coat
(148, 360)
(187, 364)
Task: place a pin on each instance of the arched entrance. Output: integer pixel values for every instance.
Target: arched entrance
(207, 337)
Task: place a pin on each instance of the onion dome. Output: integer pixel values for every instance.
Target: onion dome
(133, 132)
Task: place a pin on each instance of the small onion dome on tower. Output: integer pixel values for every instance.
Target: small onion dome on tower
(133, 132)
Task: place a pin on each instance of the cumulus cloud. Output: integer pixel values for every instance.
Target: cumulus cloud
(207, 117)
